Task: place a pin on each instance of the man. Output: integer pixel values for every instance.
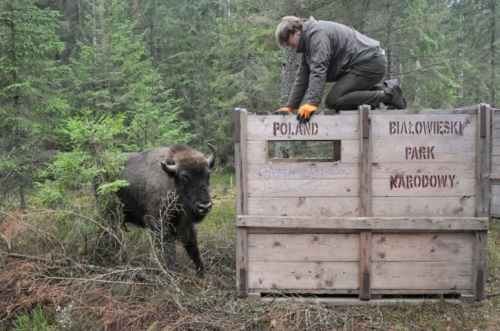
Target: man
(333, 52)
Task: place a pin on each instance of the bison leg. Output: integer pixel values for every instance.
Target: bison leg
(190, 243)
(165, 240)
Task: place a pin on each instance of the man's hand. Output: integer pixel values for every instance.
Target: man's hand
(305, 113)
(284, 111)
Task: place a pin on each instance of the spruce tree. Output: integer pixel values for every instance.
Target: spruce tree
(31, 99)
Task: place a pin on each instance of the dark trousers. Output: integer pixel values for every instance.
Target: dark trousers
(358, 86)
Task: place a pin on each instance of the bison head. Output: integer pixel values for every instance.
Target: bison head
(191, 173)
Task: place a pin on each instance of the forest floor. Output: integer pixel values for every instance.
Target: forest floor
(63, 291)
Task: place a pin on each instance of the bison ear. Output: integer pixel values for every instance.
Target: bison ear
(211, 157)
(170, 169)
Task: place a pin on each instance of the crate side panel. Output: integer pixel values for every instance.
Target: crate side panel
(396, 126)
(495, 199)
(424, 186)
(426, 149)
(314, 247)
(462, 206)
(290, 276)
(429, 276)
(424, 247)
(304, 188)
(275, 170)
(304, 206)
(278, 127)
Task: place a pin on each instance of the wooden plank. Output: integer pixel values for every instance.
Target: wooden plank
(462, 110)
(257, 151)
(346, 301)
(424, 186)
(365, 253)
(291, 276)
(430, 276)
(404, 126)
(479, 270)
(315, 247)
(305, 206)
(304, 188)
(424, 150)
(303, 170)
(495, 121)
(242, 262)
(241, 162)
(386, 170)
(366, 163)
(424, 247)
(483, 163)
(495, 159)
(495, 199)
(280, 127)
(238, 162)
(440, 206)
(389, 224)
(495, 146)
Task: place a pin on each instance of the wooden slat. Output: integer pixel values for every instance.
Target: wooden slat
(404, 126)
(424, 247)
(483, 161)
(304, 188)
(424, 186)
(479, 270)
(366, 162)
(302, 206)
(315, 247)
(389, 224)
(461, 170)
(280, 127)
(438, 206)
(440, 150)
(241, 162)
(410, 276)
(365, 252)
(305, 170)
(242, 262)
(303, 275)
(463, 110)
(256, 152)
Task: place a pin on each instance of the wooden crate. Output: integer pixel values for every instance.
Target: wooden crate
(398, 206)
(495, 164)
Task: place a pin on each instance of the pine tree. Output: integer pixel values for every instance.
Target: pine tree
(31, 102)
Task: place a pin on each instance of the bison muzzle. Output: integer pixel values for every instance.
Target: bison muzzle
(168, 193)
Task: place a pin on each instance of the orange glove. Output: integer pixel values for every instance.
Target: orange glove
(284, 111)
(305, 113)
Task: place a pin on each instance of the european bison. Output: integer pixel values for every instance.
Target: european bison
(168, 193)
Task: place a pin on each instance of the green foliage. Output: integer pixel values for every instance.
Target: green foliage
(31, 99)
(32, 320)
(93, 152)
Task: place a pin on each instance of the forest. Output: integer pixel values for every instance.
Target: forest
(84, 80)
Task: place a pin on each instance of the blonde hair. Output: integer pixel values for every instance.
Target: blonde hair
(287, 28)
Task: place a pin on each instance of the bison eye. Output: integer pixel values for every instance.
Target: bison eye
(184, 180)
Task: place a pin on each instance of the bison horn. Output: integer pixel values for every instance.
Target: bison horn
(170, 169)
(211, 157)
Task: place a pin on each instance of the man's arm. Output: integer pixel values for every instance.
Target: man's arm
(320, 61)
(300, 85)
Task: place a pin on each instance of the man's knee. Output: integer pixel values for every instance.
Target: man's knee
(332, 103)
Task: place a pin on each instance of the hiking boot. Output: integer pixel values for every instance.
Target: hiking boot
(395, 90)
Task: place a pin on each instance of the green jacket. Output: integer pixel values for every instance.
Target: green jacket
(330, 50)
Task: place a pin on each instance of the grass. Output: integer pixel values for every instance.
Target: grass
(54, 270)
